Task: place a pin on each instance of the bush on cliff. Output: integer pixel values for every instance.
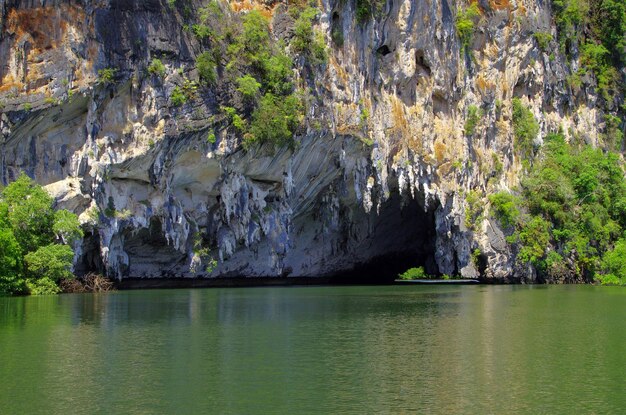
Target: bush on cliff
(574, 204)
(34, 251)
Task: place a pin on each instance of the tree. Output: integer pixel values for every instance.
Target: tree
(51, 261)
(525, 127)
(67, 227)
(30, 213)
(10, 263)
(275, 120)
(205, 64)
(614, 265)
(31, 259)
(248, 86)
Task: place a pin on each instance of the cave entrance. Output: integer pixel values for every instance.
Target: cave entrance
(403, 236)
(90, 260)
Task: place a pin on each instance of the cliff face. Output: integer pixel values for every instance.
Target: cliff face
(382, 170)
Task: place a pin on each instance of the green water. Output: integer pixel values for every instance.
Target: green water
(402, 349)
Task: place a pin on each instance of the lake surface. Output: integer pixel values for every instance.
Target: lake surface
(291, 350)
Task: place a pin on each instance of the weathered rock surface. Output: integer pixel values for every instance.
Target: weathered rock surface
(378, 181)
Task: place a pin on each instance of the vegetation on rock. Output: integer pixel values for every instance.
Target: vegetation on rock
(571, 215)
(414, 274)
(465, 21)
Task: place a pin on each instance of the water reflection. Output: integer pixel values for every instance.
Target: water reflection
(316, 350)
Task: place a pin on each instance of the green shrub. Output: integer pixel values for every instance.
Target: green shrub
(277, 72)
(205, 65)
(177, 97)
(210, 138)
(465, 21)
(576, 204)
(66, 227)
(505, 208)
(318, 54)
(51, 261)
(366, 9)
(414, 274)
(613, 134)
(535, 237)
(202, 31)
(543, 40)
(595, 57)
(525, 128)
(10, 260)
(181, 94)
(248, 87)
(235, 118)
(106, 76)
(275, 120)
(303, 30)
(474, 114)
(306, 40)
(157, 68)
(474, 210)
(614, 265)
(253, 44)
(42, 286)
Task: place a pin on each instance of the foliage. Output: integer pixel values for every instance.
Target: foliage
(613, 134)
(595, 57)
(596, 28)
(252, 45)
(366, 9)
(248, 87)
(575, 204)
(543, 40)
(10, 263)
(614, 265)
(205, 65)
(66, 227)
(51, 261)
(474, 211)
(505, 208)
(210, 138)
(609, 23)
(33, 257)
(318, 48)
(157, 68)
(465, 21)
(303, 30)
(30, 213)
(181, 94)
(277, 74)
(275, 120)
(238, 122)
(207, 28)
(414, 274)
(106, 76)
(177, 98)
(474, 114)
(42, 286)
(534, 236)
(307, 41)
(525, 128)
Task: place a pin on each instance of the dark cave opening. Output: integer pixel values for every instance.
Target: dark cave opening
(403, 236)
(383, 50)
(90, 260)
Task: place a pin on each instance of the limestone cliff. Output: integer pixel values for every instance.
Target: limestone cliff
(382, 166)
